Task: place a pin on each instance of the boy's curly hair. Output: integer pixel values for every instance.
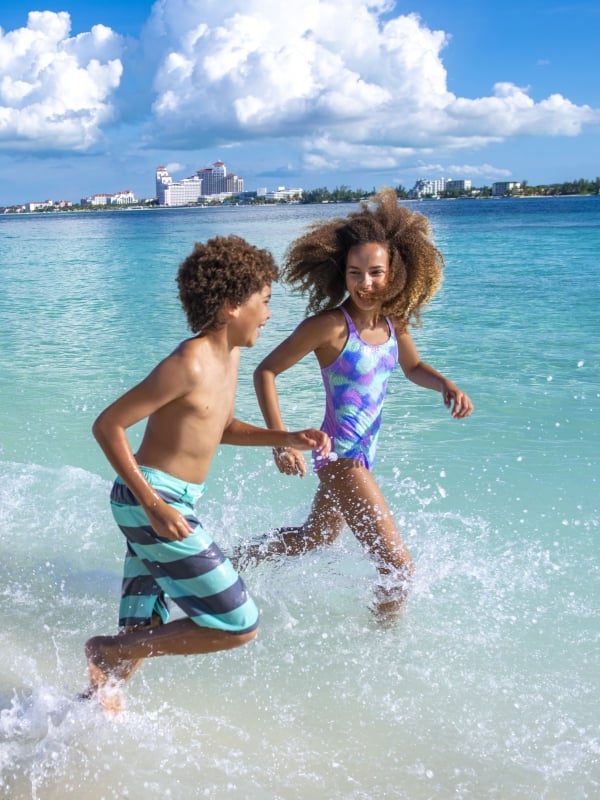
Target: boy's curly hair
(223, 268)
(316, 262)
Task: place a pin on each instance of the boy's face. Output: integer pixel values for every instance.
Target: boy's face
(252, 315)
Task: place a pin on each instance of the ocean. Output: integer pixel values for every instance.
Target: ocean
(487, 687)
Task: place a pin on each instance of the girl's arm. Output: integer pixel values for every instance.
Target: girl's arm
(311, 335)
(423, 374)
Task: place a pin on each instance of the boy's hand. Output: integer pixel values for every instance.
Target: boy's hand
(311, 439)
(167, 522)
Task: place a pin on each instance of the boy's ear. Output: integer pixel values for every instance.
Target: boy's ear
(229, 310)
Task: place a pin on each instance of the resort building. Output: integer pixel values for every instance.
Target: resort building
(281, 194)
(216, 180)
(39, 206)
(460, 186)
(502, 188)
(176, 193)
(211, 183)
(96, 200)
(124, 198)
(427, 188)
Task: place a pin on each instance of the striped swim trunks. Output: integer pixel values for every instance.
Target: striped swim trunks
(192, 572)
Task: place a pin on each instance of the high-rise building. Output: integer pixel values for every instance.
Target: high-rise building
(209, 182)
(176, 193)
(428, 188)
(163, 179)
(216, 180)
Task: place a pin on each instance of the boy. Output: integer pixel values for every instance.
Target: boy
(188, 400)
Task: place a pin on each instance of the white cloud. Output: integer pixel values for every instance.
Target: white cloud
(55, 89)
(175, 166)
(346, 84)
(474, 171)
(352, 84)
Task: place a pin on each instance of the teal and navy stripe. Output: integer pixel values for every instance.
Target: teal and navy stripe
(192, 572)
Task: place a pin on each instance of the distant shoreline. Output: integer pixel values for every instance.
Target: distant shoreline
(12, 212)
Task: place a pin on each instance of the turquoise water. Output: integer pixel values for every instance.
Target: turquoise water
(487, 688)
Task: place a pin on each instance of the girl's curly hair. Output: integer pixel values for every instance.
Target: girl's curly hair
(223, 268)
(315, 263)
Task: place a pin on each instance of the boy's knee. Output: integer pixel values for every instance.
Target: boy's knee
(245, 638)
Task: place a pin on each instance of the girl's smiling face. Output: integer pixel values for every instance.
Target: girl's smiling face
(367, 274)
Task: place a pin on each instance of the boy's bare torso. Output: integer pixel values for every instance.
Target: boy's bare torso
(182, 435)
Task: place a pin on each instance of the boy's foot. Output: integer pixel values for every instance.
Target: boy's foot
(107, 674)
(106, 690)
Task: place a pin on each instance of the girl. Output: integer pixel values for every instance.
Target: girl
(367, 276)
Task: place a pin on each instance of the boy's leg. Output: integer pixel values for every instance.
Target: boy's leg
(193, 572)
(112, 656)
(143, 602)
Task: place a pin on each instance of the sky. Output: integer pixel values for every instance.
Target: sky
(94, 96)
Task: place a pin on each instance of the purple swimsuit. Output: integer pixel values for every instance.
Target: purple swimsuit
(355, 386)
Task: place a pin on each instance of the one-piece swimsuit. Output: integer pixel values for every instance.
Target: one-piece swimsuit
(355, 387)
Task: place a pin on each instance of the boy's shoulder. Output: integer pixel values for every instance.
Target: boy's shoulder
(198, 352)
(186, 360)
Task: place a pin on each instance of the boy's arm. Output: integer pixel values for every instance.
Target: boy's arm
(425, 375)
(242, 433)
(169, 380)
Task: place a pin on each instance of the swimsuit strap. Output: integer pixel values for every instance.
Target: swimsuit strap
(352, 326)
(349, 320)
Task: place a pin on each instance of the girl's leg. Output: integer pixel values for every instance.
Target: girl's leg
(355, 492)
(323, 525)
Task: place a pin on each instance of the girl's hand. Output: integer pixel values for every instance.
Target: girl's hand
(289, 461)
(458, 402)
(167, 522)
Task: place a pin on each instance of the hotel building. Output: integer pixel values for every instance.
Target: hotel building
(428, 188)
(502, 188)
(210, 183)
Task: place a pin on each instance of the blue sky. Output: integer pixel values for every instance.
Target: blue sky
(94, 96)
